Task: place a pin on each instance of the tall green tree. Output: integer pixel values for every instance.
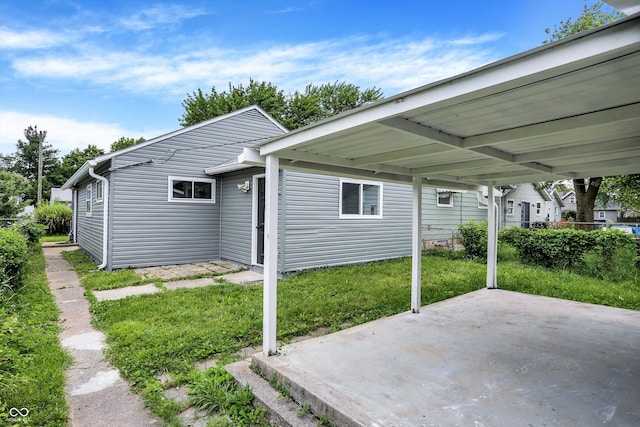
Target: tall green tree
(292, 111)
(74, 160)
(26, 163)
(623, 190)
(586, 189)
(12, 189)
(124, 142)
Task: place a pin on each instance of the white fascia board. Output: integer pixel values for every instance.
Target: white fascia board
(536, 64)
(251, 156)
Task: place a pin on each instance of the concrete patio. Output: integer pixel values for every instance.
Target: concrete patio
(488, 358)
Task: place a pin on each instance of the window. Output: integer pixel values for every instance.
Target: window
(601, 215)
(99, 191)
(194, 190)
(510, 207)
(89, 199)
(360, 199)
(538, 208)
(445, 199)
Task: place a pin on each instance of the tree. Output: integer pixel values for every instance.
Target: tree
(74, 160)
(26, 163)
(200, 106)
(624, 190)
(592, 16)
(124, 143)
(12, 188)
(292, 111)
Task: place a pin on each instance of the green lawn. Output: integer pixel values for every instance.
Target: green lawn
(170, 331)
(32, 363)
(55, 238)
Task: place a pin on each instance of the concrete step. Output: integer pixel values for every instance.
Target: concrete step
(283, 411)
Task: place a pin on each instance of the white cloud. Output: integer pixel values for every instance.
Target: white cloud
(390, 64)
(158, 15)
(11, 39)
(63, 133)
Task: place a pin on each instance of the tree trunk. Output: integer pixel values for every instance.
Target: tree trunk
(586, 193)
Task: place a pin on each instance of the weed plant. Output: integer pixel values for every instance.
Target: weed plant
(32, 363)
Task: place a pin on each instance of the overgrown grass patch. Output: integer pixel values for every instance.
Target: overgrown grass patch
(170, 331)
(31, 359)
(93, 279)
(55, 238)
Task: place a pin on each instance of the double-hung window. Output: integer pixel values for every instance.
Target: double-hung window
(195, 190)
(445, 199)
(360, 199)
(89, 199)
(99, 191)
(510, 203)
(538, 208)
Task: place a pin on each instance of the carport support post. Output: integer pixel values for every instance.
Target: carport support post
(492, 238)
(416, 245)
(270, 255)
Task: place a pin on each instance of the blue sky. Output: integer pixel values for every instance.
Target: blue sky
(90, 72)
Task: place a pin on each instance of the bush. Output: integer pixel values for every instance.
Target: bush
(55, 217)
(14, 253)
(32, 231)
(474, 238)
(603, 253)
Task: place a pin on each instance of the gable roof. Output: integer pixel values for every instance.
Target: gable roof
(83, 171)
(564, 110)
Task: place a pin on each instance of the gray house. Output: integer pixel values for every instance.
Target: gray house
(183, 198)
(524, 205)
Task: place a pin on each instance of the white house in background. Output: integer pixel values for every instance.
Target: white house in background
(526, 205)
(569, 201)
(62, 196)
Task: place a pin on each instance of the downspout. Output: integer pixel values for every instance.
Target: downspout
(105, 213)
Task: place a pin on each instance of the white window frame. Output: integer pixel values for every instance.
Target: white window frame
(602, 215)
(171, 179)
(538, 208)
(444, 205)
(512, 207)
(89, 199)
(360, 215)
(99, 191)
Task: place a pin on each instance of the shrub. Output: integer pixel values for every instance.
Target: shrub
(14, 253)
(601, 253)
(55, 217)
(31, 230)
(474, 238)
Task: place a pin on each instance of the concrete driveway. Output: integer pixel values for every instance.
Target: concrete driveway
(487, 358)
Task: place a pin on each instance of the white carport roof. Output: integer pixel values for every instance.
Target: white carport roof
(564, 110)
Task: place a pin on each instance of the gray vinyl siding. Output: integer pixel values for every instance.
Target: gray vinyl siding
(237, 211)
(315, 236)
(147, 229)
(89, 233)
(440, 223)
(524, 193)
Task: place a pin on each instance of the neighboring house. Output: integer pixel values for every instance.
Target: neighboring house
(569, 201)
(526, 205)
(608, 213)
(62, 196)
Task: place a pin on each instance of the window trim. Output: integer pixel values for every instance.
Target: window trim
(538, 208)
(602, 215)
(444, 205)
(99, 194)
(513, 204)
(89, 199)
(172, 178)
(360, 215)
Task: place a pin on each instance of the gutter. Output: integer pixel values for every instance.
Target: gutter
(105, 211)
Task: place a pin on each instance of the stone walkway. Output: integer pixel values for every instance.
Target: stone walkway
(96, 394)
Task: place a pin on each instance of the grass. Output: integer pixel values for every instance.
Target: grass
(32, 363)
(54, 238)
(169, 331)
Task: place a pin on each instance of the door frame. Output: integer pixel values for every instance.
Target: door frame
(254, 219)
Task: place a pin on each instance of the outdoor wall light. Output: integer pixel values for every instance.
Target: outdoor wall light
(244, 187)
